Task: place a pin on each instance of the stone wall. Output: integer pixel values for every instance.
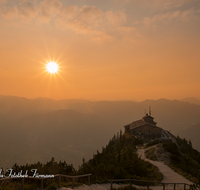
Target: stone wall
(147, 130)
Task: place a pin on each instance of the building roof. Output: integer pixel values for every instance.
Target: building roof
(145, 124)
(148, 116)
(137, 123)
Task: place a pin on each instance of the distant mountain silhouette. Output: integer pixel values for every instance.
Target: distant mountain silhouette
(172, 115)
(63, 134)
(36, 129)
(14, 107)
(191, 100)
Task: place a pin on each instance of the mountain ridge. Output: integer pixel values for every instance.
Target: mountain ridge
(94, 123)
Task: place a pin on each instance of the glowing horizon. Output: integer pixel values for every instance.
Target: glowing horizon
(108, 50)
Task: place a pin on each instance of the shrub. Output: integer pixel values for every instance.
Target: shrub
(152, 143)
(52, 186)
(171, 147)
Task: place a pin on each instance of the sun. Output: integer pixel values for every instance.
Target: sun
(52, 67)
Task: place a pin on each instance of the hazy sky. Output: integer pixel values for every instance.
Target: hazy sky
(106, 49)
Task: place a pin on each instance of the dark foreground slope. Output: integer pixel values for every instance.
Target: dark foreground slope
(119, 160)
(183, 159)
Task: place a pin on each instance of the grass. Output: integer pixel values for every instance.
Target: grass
(152, 143)
(150, 154)
(184, 174)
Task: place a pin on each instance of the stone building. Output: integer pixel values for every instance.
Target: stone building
(145, 127)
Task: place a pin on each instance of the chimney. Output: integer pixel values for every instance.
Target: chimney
(150, 110)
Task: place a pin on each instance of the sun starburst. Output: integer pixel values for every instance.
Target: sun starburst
(52, 67)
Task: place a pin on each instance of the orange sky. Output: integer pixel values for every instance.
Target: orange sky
(106, 50)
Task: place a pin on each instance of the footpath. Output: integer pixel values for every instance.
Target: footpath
(169, 176)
